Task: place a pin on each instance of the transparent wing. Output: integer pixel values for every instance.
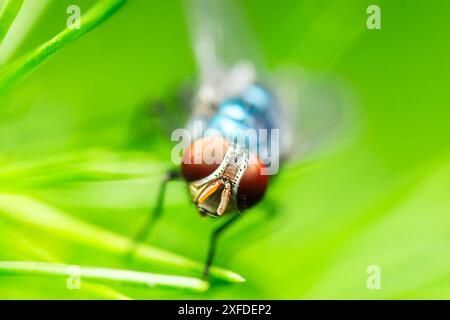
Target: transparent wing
(226, 55)
(224, 49)
(317, 112)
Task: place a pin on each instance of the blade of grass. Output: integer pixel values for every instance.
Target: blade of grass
(26, 249)
(24, 22)
(103, 275)
(7, 16)
(27, 210)
(26, 64)
(77, 167)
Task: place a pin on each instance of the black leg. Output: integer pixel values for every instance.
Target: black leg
(213, 241)
(157, 211)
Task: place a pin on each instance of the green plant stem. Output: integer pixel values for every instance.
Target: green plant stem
(102, 274)
(26, 64)
(7, 16)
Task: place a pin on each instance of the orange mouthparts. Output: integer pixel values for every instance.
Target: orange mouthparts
(225, 196)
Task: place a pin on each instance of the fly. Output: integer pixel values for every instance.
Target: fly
(229, 164)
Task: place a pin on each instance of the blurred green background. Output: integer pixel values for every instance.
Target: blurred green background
(382, 198)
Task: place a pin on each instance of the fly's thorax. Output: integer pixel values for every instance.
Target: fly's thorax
(234, 183)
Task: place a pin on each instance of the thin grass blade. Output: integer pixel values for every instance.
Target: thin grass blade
(151, 280)
(28, 63)
(7, 16)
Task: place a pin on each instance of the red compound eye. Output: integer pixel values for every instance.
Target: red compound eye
(253, 184)
(195, 166)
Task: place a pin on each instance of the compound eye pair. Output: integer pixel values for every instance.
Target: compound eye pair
(252, 185)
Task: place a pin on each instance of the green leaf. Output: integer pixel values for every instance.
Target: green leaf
(102, 274)
(79, 166)
(28, 63)
(7, 16)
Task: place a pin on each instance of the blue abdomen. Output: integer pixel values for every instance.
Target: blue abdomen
(240, 119)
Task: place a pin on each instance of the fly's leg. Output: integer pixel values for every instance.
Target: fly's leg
(157, 211)
(213, 241)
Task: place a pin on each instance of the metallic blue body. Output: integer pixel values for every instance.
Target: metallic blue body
(255, 109)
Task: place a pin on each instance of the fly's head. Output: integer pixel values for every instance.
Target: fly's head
(223, 177)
